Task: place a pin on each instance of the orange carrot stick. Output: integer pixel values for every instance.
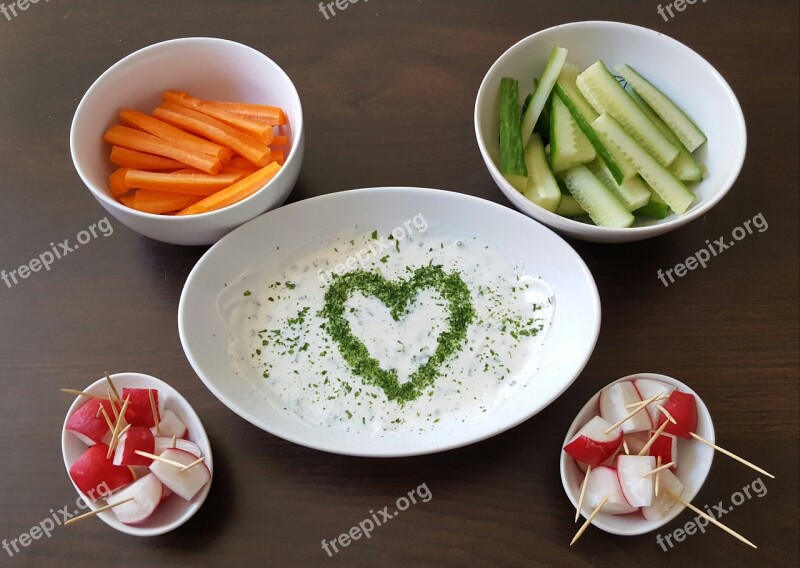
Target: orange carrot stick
(186, 183)
(259, 130)
(116, 182)
(161, 201)
(254, 150)
(128, 199)
(235, 193)
(271, 115)
(280, 141)
(241, 163)
(168, 132)
(144, 142)
(277, 155)
(126, 158)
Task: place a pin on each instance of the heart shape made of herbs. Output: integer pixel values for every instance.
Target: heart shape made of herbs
(397, 295)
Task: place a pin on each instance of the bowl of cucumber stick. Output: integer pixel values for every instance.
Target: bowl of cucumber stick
(609, 132)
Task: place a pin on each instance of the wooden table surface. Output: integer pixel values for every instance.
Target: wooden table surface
(388, 89)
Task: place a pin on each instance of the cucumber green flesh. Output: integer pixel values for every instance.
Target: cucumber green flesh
(606, 95)
(633, 194)
(621, 169)
(670, 188)
(520, 183)
(542, 93)
(541, 188)
(569, 207)
(543, 124)
(654, 210)
(675, 118)
(595, 198)
(569, 146)
(685, 167)
(512, 156)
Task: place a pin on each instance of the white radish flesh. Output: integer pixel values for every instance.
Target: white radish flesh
(637, 488)
(663, 502)
(184, 483)
(613, 407)
(649, 388)
(146, 494)
(603, 482)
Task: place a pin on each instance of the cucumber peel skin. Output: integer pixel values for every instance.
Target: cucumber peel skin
(542, 188)
(685, 167)
(595, 198)
(606, 95)
(584, 115)
(673, 116)
(660, 179)
(512, 156)
(542, 92)
(634, 193)
(569, 146)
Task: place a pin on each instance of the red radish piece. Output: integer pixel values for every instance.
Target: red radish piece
(591, 445)
(136, 438)
(146, 493)
(603, 482)
(140, 412)
(613, 403)
(683, 408)
(170, 426)
(165, 442)
(610, 462)
(89, 426)
(663, 502)
(93, 471)
(637, 488)
(666, 447)
(186, 483)
(636, 441)
(649, 388)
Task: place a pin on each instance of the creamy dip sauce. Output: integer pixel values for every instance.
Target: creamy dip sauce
(281, 338)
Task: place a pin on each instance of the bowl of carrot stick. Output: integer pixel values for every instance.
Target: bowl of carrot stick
(185, 140)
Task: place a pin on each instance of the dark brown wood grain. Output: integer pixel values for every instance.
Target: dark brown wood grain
(388, 88)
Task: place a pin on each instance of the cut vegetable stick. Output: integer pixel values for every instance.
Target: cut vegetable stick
(251, 148)
(128, 200)
(262, 113)
(144, 142)
(259, 130)
(186, 183)
(116, 182)
(158, 202)
(241, 163)
(280, 141)
(277, 155)
(126, 158)
(181, 138)
(235, 193)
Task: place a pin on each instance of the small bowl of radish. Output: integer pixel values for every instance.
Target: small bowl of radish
(133, 446)
(621, 454)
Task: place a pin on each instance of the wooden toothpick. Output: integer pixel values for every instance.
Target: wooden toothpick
(113, 388)
(635, 404)
(194, 463)
(84, 393)
(625, 447)
(652, 439)
(731, 455)
(583, 492)
(588, 521)
(96, 512)
(709, 518)
(658, 476)
(159, 458)
(155, 412)
(640, 406)
(659, 469)
(666, 413)
(115, 433)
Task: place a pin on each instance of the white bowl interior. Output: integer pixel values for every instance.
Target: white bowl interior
(221, 276)
(694, 463)
(175, 511)
(208, 68)
(678, 71)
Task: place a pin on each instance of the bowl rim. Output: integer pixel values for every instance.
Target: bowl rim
(393, 453)
(704, 419)
(558, 222)
(200, 437)
(107, 201)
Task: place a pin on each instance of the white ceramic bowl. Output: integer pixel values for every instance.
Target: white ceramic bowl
(175, 511)
(215, 287)
(209, 68)
(687, 78)
(694, 463)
